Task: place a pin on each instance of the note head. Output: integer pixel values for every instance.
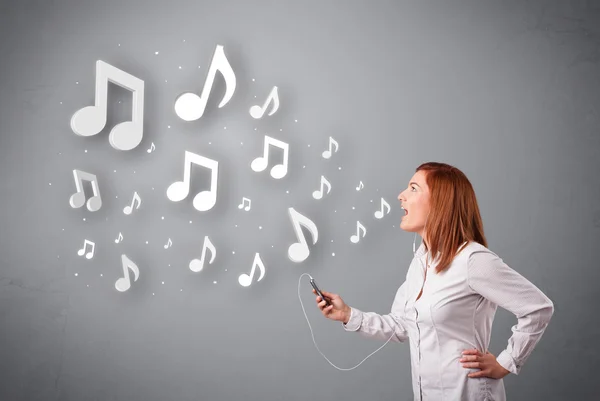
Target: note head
(77, 200)
(189, 106)
(378, 214)
(259, 164)
(196, 265)
(256, 112)
(88, 121)
(326, 154)
(178, 191)
(298, 252)
(317, 195)
(279, 171)
(94, 203)
(204, 201)
(126, 135)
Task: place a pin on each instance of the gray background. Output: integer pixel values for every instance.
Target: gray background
(507, 91)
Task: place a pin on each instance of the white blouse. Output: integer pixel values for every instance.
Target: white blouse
(454, 313)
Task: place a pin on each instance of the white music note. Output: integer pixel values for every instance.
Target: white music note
(90, 254)
(244, 199)
(152, 147)
(197, 265)
(124, 283)
(298, 251)
(119, 238)
(356, 238)
(91, 120)
(257, 111)
(245, 280)
(168, 244)
(319, 193)
(77, 200)
(129, 209)
(327, 153)
(379, 213)
(260, 163)
(360, 186)
(189, 106)
(179, 190)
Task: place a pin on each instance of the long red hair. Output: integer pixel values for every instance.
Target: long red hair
(454, 217)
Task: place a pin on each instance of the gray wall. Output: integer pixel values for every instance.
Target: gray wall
(506, 91)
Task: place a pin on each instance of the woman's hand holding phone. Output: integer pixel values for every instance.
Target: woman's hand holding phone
(337, 310)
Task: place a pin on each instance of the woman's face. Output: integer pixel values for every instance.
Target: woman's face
(415, 199)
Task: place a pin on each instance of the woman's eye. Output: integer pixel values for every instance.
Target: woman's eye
(413, 187)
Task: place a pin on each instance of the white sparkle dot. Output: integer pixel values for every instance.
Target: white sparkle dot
(152, 293)
(163, 282)
(333, 254)
(88, 285)
(190, 221)
(76, 274)
(60, 102)
(49, 183)
(84, 219)
(303, 166)
(163, 217)
(280, 129)
(331, 240)
(224, 127)
(165, 80)
(254, 129)
(352, 207)
(77, 82)
(146, 242)
(272, 246)
(252, 79)
(236, 225)
(153, 188)
(133, 171)
(181, 290)
(119, 44)
(63, 229)
(85, 150)
(335, 211)
(233, 252)
(241, 143)
(168, 126)
(287, 192)
(180, 67)
(155, 52)
(184, 40)
(100, 274)
(198, 66)
(339, 168)
(209, 143)
(169, 265)
(115, 171)
(260, 227)
(215, 282)
(296, 120)
(371, 200)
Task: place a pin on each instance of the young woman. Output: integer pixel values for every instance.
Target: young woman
(446, 305)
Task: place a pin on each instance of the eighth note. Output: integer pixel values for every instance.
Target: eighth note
(258, 112)
(327, 153)
(245, 280)
(244, 202)
(90, 254)
(119, 238)
(168, 244)
(319, 193)
(360, 186)
(124, 283)
(298, 251)
(129, 209)
(198, 264)
(356, 238)
(152, 147)
(379, 213)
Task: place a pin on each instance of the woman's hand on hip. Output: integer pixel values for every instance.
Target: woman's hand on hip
(487, 362)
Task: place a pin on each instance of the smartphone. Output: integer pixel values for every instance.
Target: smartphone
(314, 285)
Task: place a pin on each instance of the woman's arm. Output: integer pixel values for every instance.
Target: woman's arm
(490, 277)
(381, 327)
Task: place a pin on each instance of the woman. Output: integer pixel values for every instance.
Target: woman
(446, 305)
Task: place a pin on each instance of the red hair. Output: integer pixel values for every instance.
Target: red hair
(454, 214)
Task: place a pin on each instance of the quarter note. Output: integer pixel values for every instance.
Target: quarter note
(257, 111)
(90, 254)
(245, 280)
(198, 264)
(244, 199)
(319, 193)
(260, 163)
(129, 209)
(119, 238)
(360, 186)
(152, 147)
(379, 213)
(168, 244)
(189, 106)
(327, 153)
(298, 251)
(91, 120)
(356, 238)
(124, 283)
(179, 190)
(78, 198)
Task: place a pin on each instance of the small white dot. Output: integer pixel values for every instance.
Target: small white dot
(117, 196)
(287, 192)
(309, 145)
(303, 166)
(335, 211)
(153, 188)
(63, 229)
(198, 66)
(168, 126)
(163, 217)
(184, 40)
(339, 168)
(115, 171)
(76, 274)
(169, 265)
(296, 120)
(85, 150)
(146, 242)
(88, 285)
(260, 227)
(252, 79)
(155, 52)
(233, 252)
(241, 143)
(100, 274)
(60, 102)
(152, 293)
(180, 67)
(333, 254)
(331, 240)
(119, 44)
(224, 127)
(84, 219)
(209, 143)
(254, 129)
(165, 80)
(163, 282)
(272, 246)
(49, 183)
(181, 290)
(280, 129)
(77, 82)
(352, 207)
(190, 221)
(371, 200)
(236, 225)
(133, 171)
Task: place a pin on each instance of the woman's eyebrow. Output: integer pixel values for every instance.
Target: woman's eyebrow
(414, 183)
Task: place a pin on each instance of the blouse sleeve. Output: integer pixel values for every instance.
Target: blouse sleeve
(381, 327)
(493, 279)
